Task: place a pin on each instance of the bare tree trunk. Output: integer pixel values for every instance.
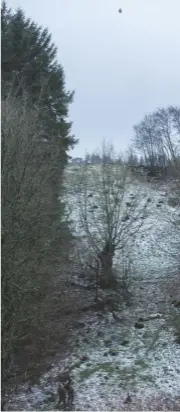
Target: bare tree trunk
(106, 259)
(107, 218)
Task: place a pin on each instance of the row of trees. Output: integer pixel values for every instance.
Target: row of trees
(157, 138)
(93, 158)
(36, 137)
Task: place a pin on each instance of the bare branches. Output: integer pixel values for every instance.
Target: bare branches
(110, 209)
(157, 137)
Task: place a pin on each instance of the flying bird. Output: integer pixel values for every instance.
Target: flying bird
(120, 10)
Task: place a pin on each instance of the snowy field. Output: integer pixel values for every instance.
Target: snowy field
(116, 365)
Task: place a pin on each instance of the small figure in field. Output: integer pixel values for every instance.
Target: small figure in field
(70, 391)
(128, 399)
(65, 392)
(62, 395)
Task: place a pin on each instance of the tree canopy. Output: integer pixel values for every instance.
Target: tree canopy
(29, 63)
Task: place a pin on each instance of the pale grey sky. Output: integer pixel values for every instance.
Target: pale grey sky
(120, 65)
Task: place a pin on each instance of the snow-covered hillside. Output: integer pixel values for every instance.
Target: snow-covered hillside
(123, 366)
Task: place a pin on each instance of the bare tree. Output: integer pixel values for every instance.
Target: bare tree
(157, 137)
(168, 121)
(146, 139)
(110, 211)
(132, 159)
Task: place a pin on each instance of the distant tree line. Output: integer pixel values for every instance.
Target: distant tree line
(93, 159)
(156, 142)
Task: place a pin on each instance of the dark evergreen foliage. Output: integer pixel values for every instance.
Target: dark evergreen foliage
(29, 63)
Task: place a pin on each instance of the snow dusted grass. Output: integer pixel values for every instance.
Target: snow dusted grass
(112, 370)
(111, 357)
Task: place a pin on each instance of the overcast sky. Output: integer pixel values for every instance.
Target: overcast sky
(121, 66)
